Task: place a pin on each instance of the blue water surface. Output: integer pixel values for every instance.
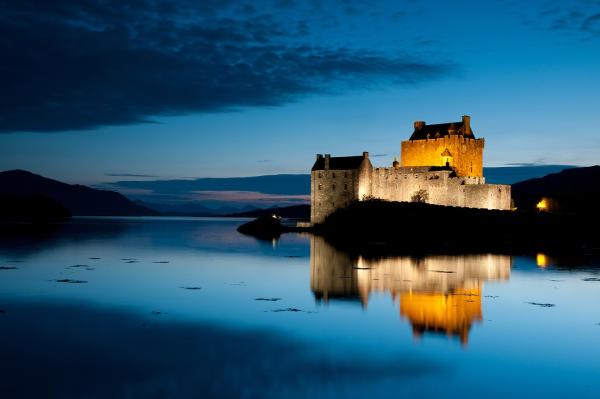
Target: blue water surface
(188, 307)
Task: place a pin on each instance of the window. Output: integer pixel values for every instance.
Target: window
(345, 174)
(319, 186)
(333, 187)
(345, 187)
(333, 175)
(320, 175)
(333, 204)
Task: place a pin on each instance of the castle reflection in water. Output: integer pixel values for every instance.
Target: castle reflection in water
(440, 294)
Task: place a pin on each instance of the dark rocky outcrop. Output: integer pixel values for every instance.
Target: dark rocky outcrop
(263, 227)
(290, 212)
(400, 227)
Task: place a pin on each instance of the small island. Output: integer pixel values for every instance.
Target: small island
(436, 200)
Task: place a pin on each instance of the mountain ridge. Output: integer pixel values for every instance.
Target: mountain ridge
(78, 199)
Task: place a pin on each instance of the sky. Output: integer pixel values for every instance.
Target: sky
(96, 91)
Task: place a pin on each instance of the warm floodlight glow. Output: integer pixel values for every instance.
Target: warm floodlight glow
(542, 205)
(542, 260)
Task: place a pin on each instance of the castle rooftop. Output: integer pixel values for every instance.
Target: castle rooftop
(424, 131)
(338, 163)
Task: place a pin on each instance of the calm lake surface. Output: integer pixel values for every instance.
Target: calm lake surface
(176, 307)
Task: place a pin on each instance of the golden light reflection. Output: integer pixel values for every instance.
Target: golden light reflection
(452, 314)
(437, 294)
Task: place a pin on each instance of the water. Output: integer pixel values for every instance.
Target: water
(190, 308)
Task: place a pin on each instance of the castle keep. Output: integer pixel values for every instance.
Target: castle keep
(440, 164)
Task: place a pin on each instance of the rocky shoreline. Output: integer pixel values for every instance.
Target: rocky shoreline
(383, 227)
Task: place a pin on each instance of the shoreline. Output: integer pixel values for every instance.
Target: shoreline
(382, 228)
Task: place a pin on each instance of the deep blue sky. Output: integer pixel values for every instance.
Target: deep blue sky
(93, 91)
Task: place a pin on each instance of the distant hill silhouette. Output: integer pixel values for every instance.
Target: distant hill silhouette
(173, 196)
(574, 190)
(78, 199)
(514, 174)
(30, 208)
(291, 212)
(192, 208)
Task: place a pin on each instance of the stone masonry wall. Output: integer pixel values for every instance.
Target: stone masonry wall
(467, 154)
(333, 189)
(330, 190)
(400, 184)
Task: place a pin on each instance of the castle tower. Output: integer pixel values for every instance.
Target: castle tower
(450, 145)
(337, 181)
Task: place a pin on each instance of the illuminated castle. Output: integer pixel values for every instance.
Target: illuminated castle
(436, 294)
(440, 164)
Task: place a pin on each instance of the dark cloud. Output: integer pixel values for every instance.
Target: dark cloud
(285, 3)
(302, 28)
(352, 11)
(82, 64)
(399, 15)
(592, 24)
(580, 17)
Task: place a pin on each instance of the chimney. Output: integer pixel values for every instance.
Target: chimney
(365, 154)
(327, 156)
(419, 125)
(466, 120)
(319, 156)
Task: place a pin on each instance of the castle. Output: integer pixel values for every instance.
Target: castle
(440, 164)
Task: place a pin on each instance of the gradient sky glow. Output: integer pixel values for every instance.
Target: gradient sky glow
(96, 89)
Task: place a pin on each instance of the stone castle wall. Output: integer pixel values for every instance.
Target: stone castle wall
(330, 190)
(466, 159)
(333, 189)
(400, 184)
